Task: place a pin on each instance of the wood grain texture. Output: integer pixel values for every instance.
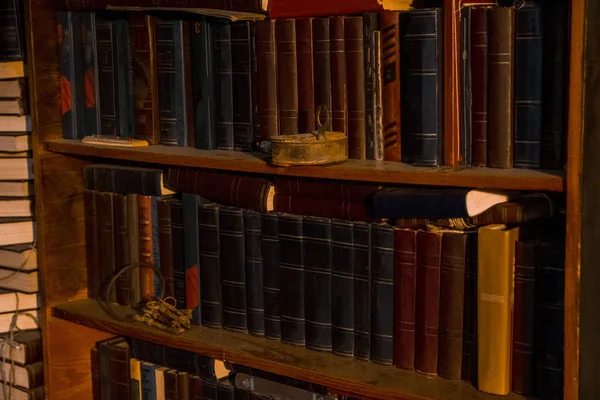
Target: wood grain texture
(351, 170)
(339, 374)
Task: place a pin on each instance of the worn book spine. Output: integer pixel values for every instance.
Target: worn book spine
(271, 255)
(342, 287)
(528, 80)
(12, 35)
(121, 249)
(266, 59)
(118, 365)
(242, 55)
(107, 76)
(165, 231)
(254, 273)
(390, 73)
(291, 278)
(501, 22)
(479, 85)
(203, 84)
(191, 256)
(144, 68)
(355, 78)
(95, 363)
(118, 179)
(125, 101)
(171, 385)
(233, 269)
(245, 6)
(181, 360)
(134, 248)
(196, 388)
(177, 235)
(307, 83)
(210, 270)
(451, 81)
(362, 290)
(337, 50)
(469, 354)
(370, 21)
(222, 61)
(316, 188)
(382, 294)
(91, 243)
(330, 208)
(378, 146)
(225, 389)
(465, 89)
(405, 259)
(323, 68)
(186, 106)
(287, 75)
(106, 242)
(90, 74)
(317, 282)
(145, 247)
(427, 301)
(183, 385)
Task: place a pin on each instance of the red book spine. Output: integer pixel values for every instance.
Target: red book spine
(324, 189)
(254, 6)
(355, 78)
(339, 98)
(327, 208)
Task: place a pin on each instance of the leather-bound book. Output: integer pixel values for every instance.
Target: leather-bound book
(210, 268)
(267, 101)
(106, 242)
(12, 35)
(342, 287)
(175, 385)
(107, 76)
(378, 147)
(95, 362)
(528, 81)
(465, 89)
(526, 208)
(307, 85)
(287, 76)
(328, 208)
(427, 301)
(549, 319)
(479, 85)
(314, 8)
(133, 234)
(355, 88)
(145, 246)
(382, 294)
(244, 6)
(123, 62)
(337, 47)
(90, 65)
(253, 373)
(91, 243)
(223, 86)
(121, 249)
(243, 67)
(317, 282)
(322, 53)
(118, 354)
(555, 83)
(191, 255)
(225, 389)
(120, 179)
(165, 232)
(29, 350)
(209, 388)
(196, 392)
(362, 290)
(316, 188)
(469, 348)
(370, 25)
(451, 27)
(271, 255)
(203, 83)
(177, 236)
(254, 273)
(222, 187)
(422, 88)
(389, 22)
(501, 22)
(233, 270)
(405, 280)
(523, 340)
(291, 279)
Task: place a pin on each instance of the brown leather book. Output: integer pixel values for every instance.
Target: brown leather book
(321, 207)
(91, 242)
(144, 71)
(196, 392)
(121, 249)
(527, 208)
(355, 78)
(106, 242)
(405, 259)
(390, 54)
(411, 223)
(287, 74)
(145, 247)
(118, 367)
(523, 358)
(322, 64)
(339, 104)
(222, 187)
(427, 301)
(266, 59)
(306, 75)
(296, 186)
(166, 245)
(188, 87)
(134, 247)
(452, 82)
(479, 85)
(501, 23)
(469, 356)
(95, 362)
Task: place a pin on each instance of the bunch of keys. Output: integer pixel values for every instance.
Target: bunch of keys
(163, 315)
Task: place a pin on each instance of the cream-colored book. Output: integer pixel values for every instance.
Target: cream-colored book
(16, 169)
(12, 123)
(12, 89)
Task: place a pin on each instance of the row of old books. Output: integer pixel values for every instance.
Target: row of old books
(131, 369)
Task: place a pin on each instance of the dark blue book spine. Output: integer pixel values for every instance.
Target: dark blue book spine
(126, 121)
(466, 135)
(90, 65)
(107, 79)
(148, 375)
(362, 290)
(210, 271)
(155, 245)
(271, 255)
(178, 252)
(191, 255)
(244, 102)
(254, 273)
(223, 77)
(342, 287)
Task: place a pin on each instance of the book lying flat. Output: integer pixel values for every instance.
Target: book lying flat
(11, 123)
(24, 322)
(12, 89)
(19, 393)
(15, 207)
(16, 188)
(16, 231)
(15, 141)
(30, 348)
(12, 70)
(12, 107)
(26, 282)
(26, 376)
(8, 301)
(15, 169)
(22, 256)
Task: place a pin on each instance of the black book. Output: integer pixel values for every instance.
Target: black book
(125, 99)
(466, 133)
(362, 290)
(209, 389)
(120, 179)
(177, 234)
(225, 390)
(342, 287)
(291, 278)
(370, 25)
(107, 76)
(12, 34)
(191, 255)
(210, 268)
(271, 255)
(90, 66)
(254, 273)
(223, 77)
(317, 282)
(243, 68)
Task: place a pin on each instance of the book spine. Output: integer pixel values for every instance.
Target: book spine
(501, 23)
(245, 6)
(362, 290)
(222, 61)
(479, 85)
(122, 253)
(91, 243)
(119, 371)
(209, 388)
(268, 104)
(106, 241)
(355, 89)
(12, 37)
(171, 386)
(156, 247)
(242, 53)
(370, 26)
(378, 146)
(165, 232)
(291, 274)
(382, 294)
(125, 101)
(203, 84)
(145, 247)
(107, 76)
(196, 388)
(470, 343)
(90, 65)
(233, 269)
(187, 105)
(324, 189)
(271, 255)
(390, 72)
(183, 385)
(321, 65)
(405, 259)
(143, 51)
(148, 381)
(95, 363)
(254, 273)
(421, 46)
(210, 271)
(225, 390)
(287, 75)
(104, 371)
(307, 87)
(191, 256)
(177, 234)
(337, 72)
(450, 52)
(329, 208)
(427, 302)
(317, 282)
(108, 178)
(136, 379)
(134, 248)
(342, 287)
(466, 89)
(528, 80)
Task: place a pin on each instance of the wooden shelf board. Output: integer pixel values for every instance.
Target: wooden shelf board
(352, 170)
(339, 374)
